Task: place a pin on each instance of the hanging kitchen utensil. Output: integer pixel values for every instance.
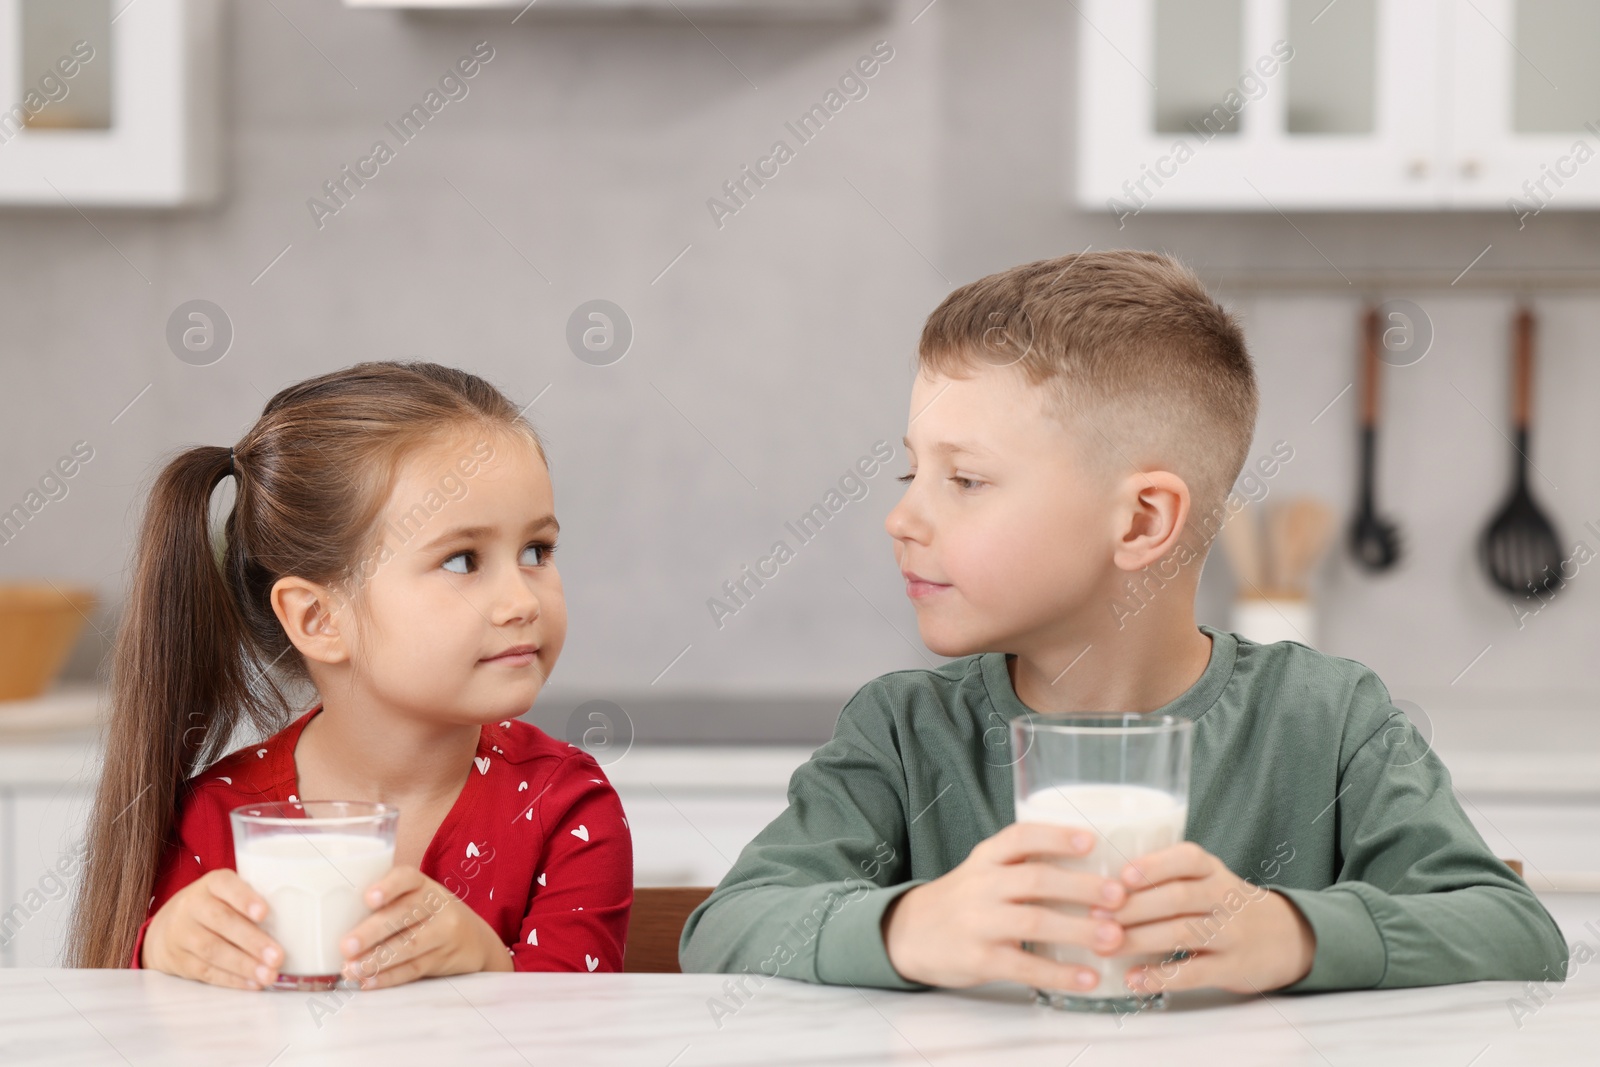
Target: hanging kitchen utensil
(1519, 548)
(1374, 541)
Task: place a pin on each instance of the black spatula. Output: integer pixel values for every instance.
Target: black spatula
(1374, 541)
(1519, 548)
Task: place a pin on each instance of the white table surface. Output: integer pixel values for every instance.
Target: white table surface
(87, 1018)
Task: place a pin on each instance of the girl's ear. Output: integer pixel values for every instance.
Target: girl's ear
(308, 613)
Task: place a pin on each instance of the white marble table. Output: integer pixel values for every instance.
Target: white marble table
(83, 1018)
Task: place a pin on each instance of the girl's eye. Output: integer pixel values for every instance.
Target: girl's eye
(965, 483)
(465, 562)
(906, 478)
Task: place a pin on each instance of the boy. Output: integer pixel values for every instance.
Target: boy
(1076, 425)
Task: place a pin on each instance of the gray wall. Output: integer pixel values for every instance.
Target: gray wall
(778, 348)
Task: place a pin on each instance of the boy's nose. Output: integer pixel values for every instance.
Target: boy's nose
(901, 523)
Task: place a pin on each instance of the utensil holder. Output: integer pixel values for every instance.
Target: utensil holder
(1276, 616)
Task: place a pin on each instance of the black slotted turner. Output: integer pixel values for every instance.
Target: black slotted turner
(1374, 540)
(1519, 548)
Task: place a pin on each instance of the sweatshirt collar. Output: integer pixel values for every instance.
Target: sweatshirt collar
(1192, 703)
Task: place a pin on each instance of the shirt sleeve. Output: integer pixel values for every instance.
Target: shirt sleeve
(1420, 898)
(807, 895)
(203, 844)
(577, 917)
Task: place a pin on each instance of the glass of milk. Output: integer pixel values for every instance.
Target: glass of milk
(313, 860)
(1124, 778)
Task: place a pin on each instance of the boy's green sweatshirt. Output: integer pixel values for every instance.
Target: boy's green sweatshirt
(1306, 780)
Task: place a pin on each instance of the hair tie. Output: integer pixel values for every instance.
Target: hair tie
(232, 468)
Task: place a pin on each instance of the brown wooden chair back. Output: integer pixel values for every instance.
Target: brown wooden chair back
(656, 924)
(1515, 865)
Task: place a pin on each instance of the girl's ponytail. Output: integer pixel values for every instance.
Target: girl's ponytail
(183, 672)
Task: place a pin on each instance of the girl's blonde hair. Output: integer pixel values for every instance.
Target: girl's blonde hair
(200, 650)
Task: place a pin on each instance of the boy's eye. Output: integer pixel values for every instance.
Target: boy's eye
(906, 478)
(464, 557)
(965, 483)
(542, 550)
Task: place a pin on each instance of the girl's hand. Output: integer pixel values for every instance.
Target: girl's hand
(1240, 937)
(207, 931)
(418, 928)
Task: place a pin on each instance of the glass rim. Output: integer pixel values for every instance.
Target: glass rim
(1085, 722)
(255, 814)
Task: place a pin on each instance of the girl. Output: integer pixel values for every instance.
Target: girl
(390, 546)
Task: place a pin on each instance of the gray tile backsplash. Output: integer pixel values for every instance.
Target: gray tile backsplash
(770, 350)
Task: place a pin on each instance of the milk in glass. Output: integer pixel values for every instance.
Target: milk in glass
(313, 884)
(1127, 821)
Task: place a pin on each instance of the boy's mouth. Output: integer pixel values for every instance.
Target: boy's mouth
(918, 587)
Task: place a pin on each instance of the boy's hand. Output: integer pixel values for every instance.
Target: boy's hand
(1254, 939)
(418, 929)
(207, 931)
(965, 928)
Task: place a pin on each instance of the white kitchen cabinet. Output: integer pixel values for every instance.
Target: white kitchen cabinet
(809, 10)
(1558, 840)
(693, 808)
(1525, 105)
(689, 837)
(106, 102)
(1263, 105)
(40, 868)
(47, 781)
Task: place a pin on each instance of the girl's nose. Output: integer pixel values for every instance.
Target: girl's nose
(516, 600)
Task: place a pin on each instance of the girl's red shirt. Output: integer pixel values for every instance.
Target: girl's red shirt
(536, 843)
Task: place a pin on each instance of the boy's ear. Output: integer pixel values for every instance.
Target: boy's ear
(309, 614)
(1153, 510)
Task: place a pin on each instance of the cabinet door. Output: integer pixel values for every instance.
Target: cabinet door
(693, 837)
(109, 103)
(46, 827)
(1258, 105)
(1525, 120)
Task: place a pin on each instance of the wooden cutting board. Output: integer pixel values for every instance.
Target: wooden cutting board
(69, 707)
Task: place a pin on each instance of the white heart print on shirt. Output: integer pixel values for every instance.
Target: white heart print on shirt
(590, 961)
(541, 879)
(483, 764)
(472, 848)
(582, 832)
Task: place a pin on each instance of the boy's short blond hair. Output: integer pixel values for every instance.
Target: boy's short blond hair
(1134, 351)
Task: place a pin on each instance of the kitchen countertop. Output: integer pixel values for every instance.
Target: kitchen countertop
(83, 1018)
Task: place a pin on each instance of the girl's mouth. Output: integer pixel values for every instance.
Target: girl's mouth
(515, 656)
